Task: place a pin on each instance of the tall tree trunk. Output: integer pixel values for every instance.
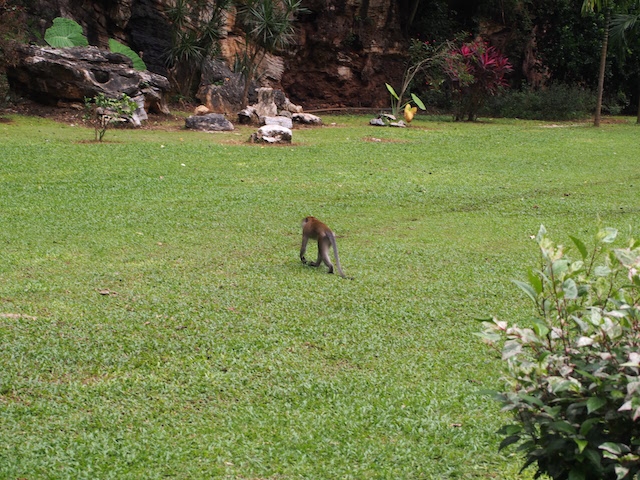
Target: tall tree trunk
(603, 65)
(638, 120)
(412, 15)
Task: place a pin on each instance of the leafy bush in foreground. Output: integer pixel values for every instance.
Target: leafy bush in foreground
(573, 380)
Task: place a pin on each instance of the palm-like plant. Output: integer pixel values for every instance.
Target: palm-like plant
(268, 27)
(196, 29)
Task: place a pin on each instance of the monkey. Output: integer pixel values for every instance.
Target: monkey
(316, 230)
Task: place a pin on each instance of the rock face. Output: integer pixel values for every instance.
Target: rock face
(221, 89)
(50, 75)
(211, 122)
(344, 52)
(139, 24)
(347, 50)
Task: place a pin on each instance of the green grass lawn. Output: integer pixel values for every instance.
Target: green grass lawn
(156, 321)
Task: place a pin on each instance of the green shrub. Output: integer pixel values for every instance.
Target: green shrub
(556, 102)
(102, 111)
(476, 71)
(572, 380)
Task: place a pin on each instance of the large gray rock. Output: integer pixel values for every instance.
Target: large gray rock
(247, 115)
(271, 134)
(279, 120)
(211, 122)
(51, 75)
(306, 118)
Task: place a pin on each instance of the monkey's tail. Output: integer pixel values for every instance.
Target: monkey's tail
(334, 244)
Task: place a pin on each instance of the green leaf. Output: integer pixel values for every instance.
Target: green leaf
(117, 47)
(392, 91)
(535, 281)
(560, 266)
(418, 102)
(582, 443)
(587, 425)
(576, 475)
(602, 271)
(594, 403)
(509, 441)
(511, 348)
(586, 374)
(485, 319)
(542, 232)
(65, 33)
(528, 289)
(540, 327)
(580, 246)
(627, 257)
(621, 472)
(607, 235)
(584, 342)
(593, 456)
(510, 429)
(615, 448)
(531, 400)
(562, 426)
(561, 384)
(570, 289)
(490, 337)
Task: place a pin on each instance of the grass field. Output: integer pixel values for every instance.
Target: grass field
(156, 321)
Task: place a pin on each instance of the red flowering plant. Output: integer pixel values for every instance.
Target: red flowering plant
(475, 72)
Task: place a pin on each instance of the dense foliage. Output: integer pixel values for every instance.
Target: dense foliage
(573, 381)
(103, 112)
(12, 27)
(548, 42)
(267, 26)
(558, 101)
(195, 31)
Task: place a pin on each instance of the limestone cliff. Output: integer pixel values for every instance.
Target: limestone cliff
(345, 49)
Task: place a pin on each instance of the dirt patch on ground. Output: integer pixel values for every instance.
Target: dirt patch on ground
(383, 140)
(588, 123)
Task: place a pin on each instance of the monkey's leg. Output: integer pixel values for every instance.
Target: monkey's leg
(318, 261)
(324, 253)
(303, 249)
